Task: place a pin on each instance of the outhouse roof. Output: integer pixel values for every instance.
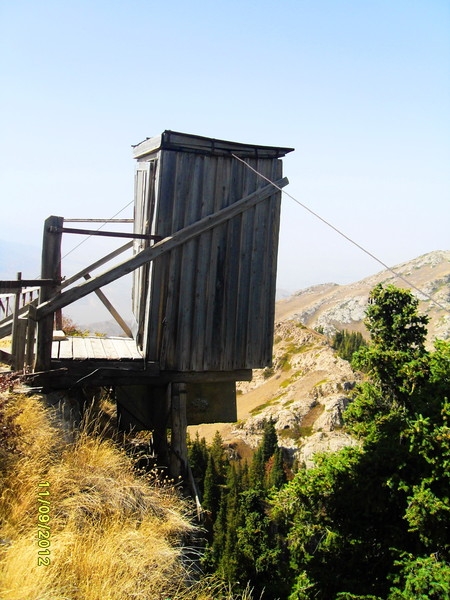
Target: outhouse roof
(185, 142)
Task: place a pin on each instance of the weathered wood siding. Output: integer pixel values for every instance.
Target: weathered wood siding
(209, 304)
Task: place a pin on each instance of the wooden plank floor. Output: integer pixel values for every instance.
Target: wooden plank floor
(95, 348)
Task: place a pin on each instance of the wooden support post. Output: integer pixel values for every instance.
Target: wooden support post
(50, 269)
(20, 335)
(178, 443)
(31, 335)
(146, 407)
(161, 415)
(15, 326)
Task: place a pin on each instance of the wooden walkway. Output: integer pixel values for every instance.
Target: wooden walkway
(95, 360)
(95, 348)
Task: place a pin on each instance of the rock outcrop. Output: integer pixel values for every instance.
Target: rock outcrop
(305, 395)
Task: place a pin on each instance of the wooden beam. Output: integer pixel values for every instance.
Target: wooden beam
(65, 374)
(153, 252)
(31, 335)
(117, 234)
(50, 269)
(98, 220)
(205, 376)
(17, 284)
(107, 304)
(6, 323)
(20, 335)
(178, 442)
(15, 326)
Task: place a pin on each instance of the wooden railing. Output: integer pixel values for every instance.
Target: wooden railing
(18, 310)
(18, 302)
(8, 301)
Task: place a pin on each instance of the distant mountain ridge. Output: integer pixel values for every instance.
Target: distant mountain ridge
(331, 307)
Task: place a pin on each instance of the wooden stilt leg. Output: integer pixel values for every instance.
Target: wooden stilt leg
(178, 458)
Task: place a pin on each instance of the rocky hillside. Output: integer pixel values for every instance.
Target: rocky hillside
(331, 306)
(305, 393)
(308, 387)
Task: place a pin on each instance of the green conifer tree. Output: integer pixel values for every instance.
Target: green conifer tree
(275, 473)
(269, 443)
(211, 490)
(198, 460)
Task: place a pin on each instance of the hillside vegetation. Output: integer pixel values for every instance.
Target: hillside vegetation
(77, 522)
(369, 521)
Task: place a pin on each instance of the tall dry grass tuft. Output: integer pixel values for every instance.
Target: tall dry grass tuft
(113, 535)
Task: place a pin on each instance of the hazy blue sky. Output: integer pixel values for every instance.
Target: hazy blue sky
(360, 88)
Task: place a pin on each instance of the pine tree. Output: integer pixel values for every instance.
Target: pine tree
(230, 564)
(275, 474)
(257, 469)
(381, 509)
(269, 443)
(198, 460)
(346, 343)
(211, 490)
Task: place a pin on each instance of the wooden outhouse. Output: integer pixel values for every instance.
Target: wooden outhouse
(208, 304)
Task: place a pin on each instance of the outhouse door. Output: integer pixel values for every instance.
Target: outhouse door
(144, 222)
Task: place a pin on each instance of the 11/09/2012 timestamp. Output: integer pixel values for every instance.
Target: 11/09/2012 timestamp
(44, 524)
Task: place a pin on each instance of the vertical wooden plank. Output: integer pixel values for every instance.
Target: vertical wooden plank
(66, 348)
(20, 335)
(31, 335)
(186, 340)
(198, 350)
(273, 237)
(184, 212)
(257, 291)
(178, 457)
(55, 350)
(138, 286)
(79, 348)
(215, 274)
(244, 260)
(154, 321)
(145, 207)
(231, 301)
(171, 298)
(110, 350)
(50, 269)
(15, 342)
(262, 282)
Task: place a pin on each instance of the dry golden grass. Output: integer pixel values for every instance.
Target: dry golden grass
(5, 342)
(115, 535)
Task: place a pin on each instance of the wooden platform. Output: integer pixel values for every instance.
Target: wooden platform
(95, 348)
